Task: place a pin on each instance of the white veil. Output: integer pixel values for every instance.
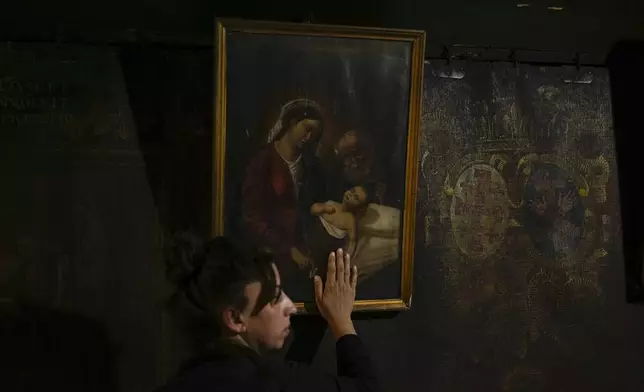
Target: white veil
(300, 102)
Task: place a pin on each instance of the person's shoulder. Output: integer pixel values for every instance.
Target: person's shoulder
(227, 374)
(265, 151)
(263, 156)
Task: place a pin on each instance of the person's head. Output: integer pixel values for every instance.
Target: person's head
(347, 143)
(239, 294)
(358, 197)
(301, 124)
(357, 153)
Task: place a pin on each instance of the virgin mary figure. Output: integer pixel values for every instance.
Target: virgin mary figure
(281, 182)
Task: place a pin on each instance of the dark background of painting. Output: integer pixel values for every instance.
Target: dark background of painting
(90, 243)
(360, 84)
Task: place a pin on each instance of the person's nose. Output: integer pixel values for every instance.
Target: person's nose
(289, 306)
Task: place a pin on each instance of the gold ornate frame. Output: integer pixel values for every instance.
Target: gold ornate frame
(417, 39)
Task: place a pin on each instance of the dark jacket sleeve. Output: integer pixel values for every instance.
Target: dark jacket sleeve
(356, 372)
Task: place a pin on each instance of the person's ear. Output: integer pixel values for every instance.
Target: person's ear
(234, 321)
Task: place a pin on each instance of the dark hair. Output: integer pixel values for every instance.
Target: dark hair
(212, 276)
(364, 143)
(370, 192)
(298, 113)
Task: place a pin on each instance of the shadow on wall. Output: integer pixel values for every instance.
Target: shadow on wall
(170, 95)
(45, 349)
(169, 92)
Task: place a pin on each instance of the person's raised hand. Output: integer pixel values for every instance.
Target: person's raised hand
(335, 300)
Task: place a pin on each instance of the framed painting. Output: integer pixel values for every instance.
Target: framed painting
(316, 148)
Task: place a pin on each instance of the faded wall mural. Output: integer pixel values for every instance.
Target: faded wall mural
(519, 202)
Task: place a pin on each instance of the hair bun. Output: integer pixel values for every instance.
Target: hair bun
(187, 254)
(184, 255)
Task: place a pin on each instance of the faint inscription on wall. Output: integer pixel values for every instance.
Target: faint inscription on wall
(29, 103)
(63, 96)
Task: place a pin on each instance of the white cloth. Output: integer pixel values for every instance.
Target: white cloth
(381, 221)
(295, 168)
(374, 253)
(378, 238)
(332, 230)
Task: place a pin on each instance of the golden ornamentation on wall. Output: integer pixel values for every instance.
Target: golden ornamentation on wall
(520, 202)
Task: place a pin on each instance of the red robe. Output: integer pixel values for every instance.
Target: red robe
(270, 205)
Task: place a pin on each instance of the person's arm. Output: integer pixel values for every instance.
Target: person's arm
(355, 369)
(318, 209)
(335, 301)
(356, 372)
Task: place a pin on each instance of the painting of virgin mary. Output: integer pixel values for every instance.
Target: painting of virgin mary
(315, 150)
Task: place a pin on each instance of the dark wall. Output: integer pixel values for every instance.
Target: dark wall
(91, 200)
(90, 160)
(590, 26)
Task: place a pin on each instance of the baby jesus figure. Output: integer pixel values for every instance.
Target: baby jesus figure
(342, 218)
